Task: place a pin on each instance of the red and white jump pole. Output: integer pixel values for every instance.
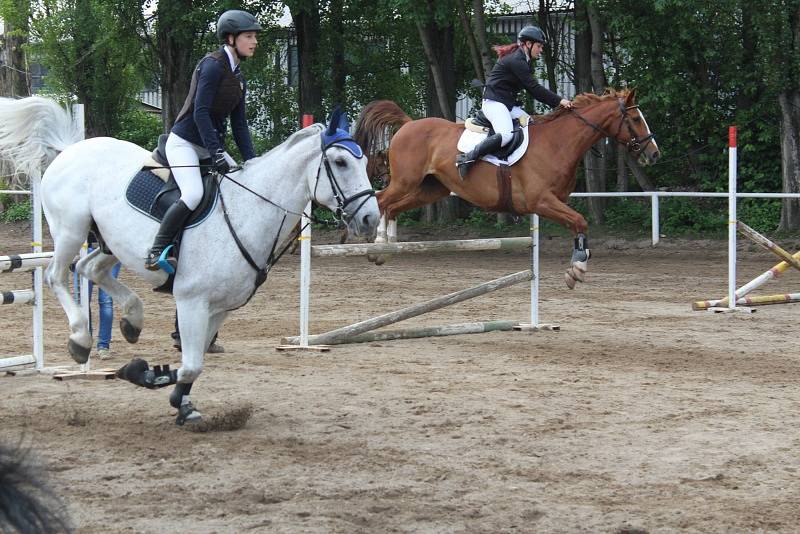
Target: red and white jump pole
(732, 217)
(305, 260)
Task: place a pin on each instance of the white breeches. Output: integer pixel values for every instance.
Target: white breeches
(185, 157)
(501, 118)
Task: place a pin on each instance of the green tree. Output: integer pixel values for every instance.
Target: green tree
(89, 55)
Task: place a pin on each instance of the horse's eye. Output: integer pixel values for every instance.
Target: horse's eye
(340, 162)
(637, 120)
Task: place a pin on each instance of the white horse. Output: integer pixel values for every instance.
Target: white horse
(86, 181)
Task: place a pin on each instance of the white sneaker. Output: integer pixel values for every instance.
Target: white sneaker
(104, 354)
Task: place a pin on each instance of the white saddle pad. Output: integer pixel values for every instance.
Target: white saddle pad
(469, 139)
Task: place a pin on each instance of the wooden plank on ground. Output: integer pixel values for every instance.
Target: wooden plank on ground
(98, 374)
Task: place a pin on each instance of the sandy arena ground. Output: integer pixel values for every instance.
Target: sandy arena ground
(639, 415)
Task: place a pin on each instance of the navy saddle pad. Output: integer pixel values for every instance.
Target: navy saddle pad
(149, 194)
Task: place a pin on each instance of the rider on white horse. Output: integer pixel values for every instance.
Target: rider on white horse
(217, 92)
(511, 73)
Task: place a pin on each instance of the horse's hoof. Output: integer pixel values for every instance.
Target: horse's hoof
(372, 258)
(380, 260)
(569, 280)
(129, 332)
(187, 413)
(577, 273)
(79, 354)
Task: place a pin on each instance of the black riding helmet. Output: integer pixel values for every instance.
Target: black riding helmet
(233, 22)
(531, 33)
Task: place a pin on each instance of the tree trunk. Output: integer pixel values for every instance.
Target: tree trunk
(338, 67)
(480, 33)
(15, 81)
(307, 25)
(437, 43)
(175, 46)
(474, 53)
(596, 164)
(550, 52)
(790, 157)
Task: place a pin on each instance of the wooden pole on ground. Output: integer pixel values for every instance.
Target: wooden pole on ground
(479, 327)
(767, 244)
(341, 335)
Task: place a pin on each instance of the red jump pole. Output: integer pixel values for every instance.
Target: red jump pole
(307, 121)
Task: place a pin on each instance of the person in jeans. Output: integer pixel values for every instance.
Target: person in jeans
(105, 305)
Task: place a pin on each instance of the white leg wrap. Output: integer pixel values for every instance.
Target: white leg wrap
(380, 237)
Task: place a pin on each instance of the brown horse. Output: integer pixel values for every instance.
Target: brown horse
(422, 155)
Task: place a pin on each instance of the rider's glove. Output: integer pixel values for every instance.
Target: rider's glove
(221, 164)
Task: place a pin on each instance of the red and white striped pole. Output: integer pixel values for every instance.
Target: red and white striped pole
(732, 217)
(305, 260)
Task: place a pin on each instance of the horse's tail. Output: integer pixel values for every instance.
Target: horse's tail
(379, 120)
(33, 131)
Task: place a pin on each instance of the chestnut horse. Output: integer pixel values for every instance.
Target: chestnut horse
(422, 155)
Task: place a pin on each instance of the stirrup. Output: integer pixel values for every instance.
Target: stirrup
(463, 163)
(166, 262)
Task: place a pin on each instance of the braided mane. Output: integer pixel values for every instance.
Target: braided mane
(581, 101)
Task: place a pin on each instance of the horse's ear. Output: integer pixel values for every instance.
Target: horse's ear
(631, 98)
(344, 124)
(334, 120)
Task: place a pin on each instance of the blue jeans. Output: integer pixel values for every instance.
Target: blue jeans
(105, 305)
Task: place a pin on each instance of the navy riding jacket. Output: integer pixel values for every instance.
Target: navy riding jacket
(203, 120)
(511, 74)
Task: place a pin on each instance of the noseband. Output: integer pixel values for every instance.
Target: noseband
(634, 145)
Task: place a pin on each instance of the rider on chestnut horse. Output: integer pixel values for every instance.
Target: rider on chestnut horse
(511, 73)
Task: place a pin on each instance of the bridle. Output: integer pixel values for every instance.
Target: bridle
(634, 145)
(342, 200)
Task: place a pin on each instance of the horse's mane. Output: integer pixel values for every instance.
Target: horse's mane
(581, 101)
(296, 137)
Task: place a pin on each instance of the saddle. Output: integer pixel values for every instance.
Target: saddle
(153, 189)
(479, 127)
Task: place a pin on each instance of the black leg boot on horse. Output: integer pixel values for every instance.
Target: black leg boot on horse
(171, 224)
(487, 146)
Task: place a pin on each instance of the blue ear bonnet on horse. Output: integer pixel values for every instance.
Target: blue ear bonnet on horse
(338, 134)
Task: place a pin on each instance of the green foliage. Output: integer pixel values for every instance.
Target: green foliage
(690, 62)
(20, 211)
(140, 128)
(763, 215)
(89, 55)
(626, 213)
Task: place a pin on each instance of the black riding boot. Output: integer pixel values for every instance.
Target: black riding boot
(173, 221)
(487, 146)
